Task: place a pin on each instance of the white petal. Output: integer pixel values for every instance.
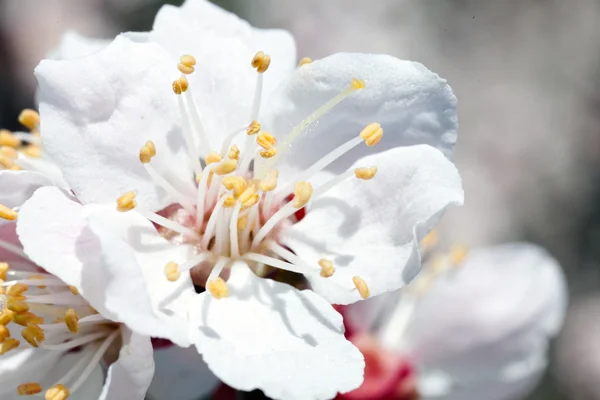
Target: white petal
(181, 374)
(412, 104)
(372, 228)
(491, 320)
(86, 247)
(74, 45)
(270, 336)
(98, 111)
(18, 186)
(128, 378)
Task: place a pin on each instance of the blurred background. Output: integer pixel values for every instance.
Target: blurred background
(526, 74)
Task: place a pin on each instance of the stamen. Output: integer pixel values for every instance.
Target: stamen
(29, 118)
(189, 135)
(72, 321)
(236, 183)
(274, 262)
(17, 304)
(6, 316)
(172, 271)
(372, 134)
(270, 182)
(3, 270)
(229, 202)
(218, 288)
(7, 151)
(261, 62)
(28, 389)
(266, 140)
(253, 128)
(213, 157)
(186, 64)
(8, 345)
(57, 392)
(147, 151)
(327, 268)
(234, 153)
(365, 173)
(304, 61)
(33, 334)
(233, 230)
(126, 202)
(4, 333)
(268, 153)
(302, 193)
(362, 287)
(7, 213)
(192, 262)
(73, 290)
(226, 167)
(25, 318)
(458, 255)
(8, 139)
(430, 241)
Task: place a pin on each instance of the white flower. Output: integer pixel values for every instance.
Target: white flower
(103, 114)
(51, 340)
(477, 328)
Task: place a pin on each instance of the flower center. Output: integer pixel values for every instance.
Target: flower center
(240, 206)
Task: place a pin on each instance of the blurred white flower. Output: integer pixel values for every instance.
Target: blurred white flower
(202, 186)
(473, 328)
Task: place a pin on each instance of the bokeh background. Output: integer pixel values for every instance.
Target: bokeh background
(527, 76)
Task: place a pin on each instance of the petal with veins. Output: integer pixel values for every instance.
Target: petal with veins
(266, 331)
(372, 229)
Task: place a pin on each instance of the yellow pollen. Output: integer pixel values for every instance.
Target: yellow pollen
(7, 151)
(261, 62)
(266, 140)
(8, 345)
(253, 128)
(327, 268)
(16, 289)
(218, 288)
(17, 304)
(226, 167)
(72, 321)
(172, 271)
(57, 392)
(33, 334)
(365, 173)
(268, 153)
(358, 84)
(32, 151)
(362, 287)
(126, 202)
(24, 318)
(187, 60)
(7, 213)
(372, 134)
(213, 157)
(236, 183)
(28, 389)
(3, 270)
(270, 182)
(4, 333)
(458, 255)
(304, 61)
(234, 153)
(73, 290)
(6, 317)
(229, 202)
(8, 139)
(185, 69)
(302, 192)
(29, 118)
(147, 152)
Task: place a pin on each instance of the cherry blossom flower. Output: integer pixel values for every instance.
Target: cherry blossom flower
(219, 178)
(469, 327)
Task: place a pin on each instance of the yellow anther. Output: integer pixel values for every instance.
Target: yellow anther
(327, 268)
(270, 182)
(57, 392)
(187, 60)
(73, 290)
(251, 201)
(7, 213)
(236, 183)
(362, 287)
(6, 316)
(229, 202)
(72, 321)
(172, 271)
(213, 157)
(180, 85)
(365, 173)
(261, 62)
(8, 152)
(3, 270)
(304, 61)
(147, 151)
(24, 318)
(218, 288)
(29, 118)
(266, 140)
(242, 222)
(458, 255)
(302, 192)
(268, 153)
(33, 334)
(38, 278)
(234, 153)
(4, 333)
(7, 163)
(226, 167)
(253, 128)
(430, 241)
(17, 304)
(358, 84)
(8, 139)
(8, 345)
(16, 289)
(247, 194)
(32, 151)
(28, 389)
(185, 69)
(372, 134)
(126, 202)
